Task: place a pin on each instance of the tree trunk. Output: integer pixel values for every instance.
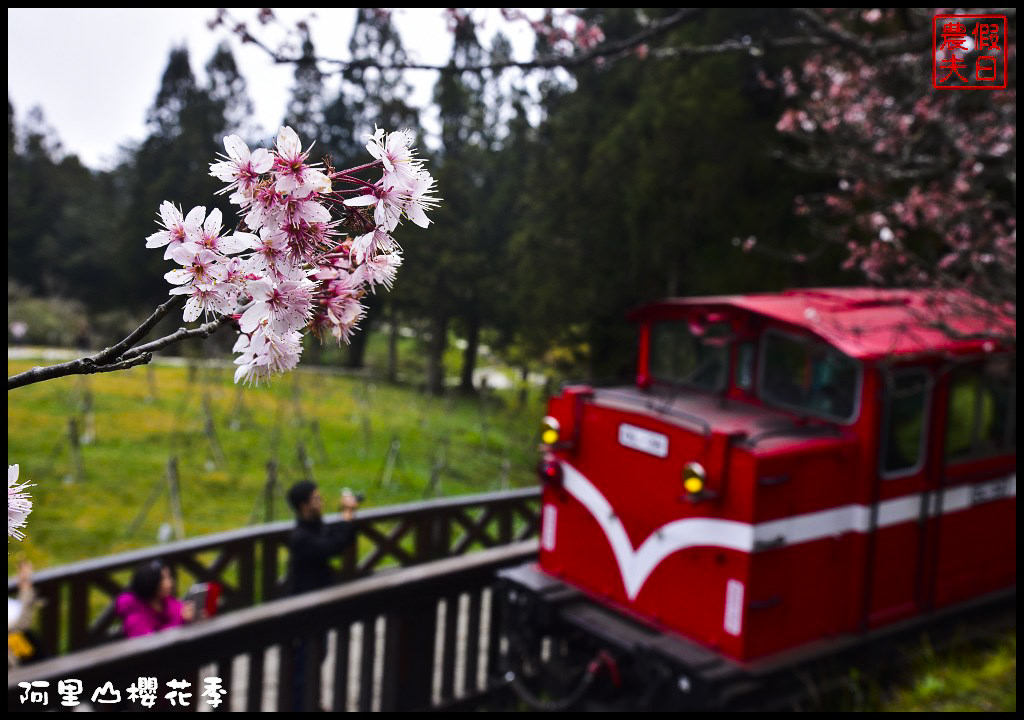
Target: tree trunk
(314, 351)
(435, 354)
(469, 355)
(357, 347)
(357, 350)
(524, 388)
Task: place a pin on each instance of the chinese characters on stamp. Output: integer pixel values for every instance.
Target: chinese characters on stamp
(969, 52)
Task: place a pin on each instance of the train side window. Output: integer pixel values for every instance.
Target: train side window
(905, 422)
(982, 414)
(808, 377)
(744, 374)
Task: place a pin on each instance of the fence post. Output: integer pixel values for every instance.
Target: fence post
(268, 491)
(51, 618)
(268, 570)
(305, 462)
(78, 612)
(407, 684)
(440, 462)
(321, 449)
(77, 463)
(506, 471)
(384, 481)
(246, 553)
(88, 418)
(151, 382)
(211, 435)
(174, 489)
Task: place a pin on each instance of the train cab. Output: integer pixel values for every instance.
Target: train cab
(789, 468)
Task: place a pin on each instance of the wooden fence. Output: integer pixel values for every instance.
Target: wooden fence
(249, 564)
(424, 637)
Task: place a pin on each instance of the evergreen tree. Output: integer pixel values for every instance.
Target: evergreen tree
(186, 124)
(227, 89)
(305, 109)
(369, 98)
(52, 203)
(642, 176)
(440, 282)
(485, 278)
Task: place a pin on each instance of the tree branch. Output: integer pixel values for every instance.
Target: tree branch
(114, 351)
(202, 331)
(819, 27)
(606, 51)
(122, 355)
(820, 34)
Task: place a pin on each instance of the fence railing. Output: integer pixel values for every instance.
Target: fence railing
(417, 638)
(249, 564)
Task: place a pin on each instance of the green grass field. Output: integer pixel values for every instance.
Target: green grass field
(962, 679)
(132, 423)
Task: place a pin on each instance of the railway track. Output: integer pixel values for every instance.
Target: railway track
(594, 659)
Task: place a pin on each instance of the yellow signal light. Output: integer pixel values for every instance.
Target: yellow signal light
(549, 431)
(694, 478)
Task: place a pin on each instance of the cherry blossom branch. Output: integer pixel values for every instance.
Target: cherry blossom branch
(203, 331)
(114, 351)
(837, 35)
(275, 276)
(81, 366)
(122, 355)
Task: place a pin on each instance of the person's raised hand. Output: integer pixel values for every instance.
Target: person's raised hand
(348, 504)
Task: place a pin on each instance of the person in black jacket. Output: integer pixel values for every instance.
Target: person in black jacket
(312, 543)
(310, 548)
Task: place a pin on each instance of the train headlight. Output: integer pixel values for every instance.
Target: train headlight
(694, 479)
(549, 430)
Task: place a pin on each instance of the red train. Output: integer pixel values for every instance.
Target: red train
(789, 470)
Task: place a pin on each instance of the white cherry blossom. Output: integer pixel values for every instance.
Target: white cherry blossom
(19, 503)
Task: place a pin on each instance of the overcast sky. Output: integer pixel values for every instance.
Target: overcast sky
(95, 72)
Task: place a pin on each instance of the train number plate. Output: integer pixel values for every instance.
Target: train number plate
(645, 441)
(734, 607)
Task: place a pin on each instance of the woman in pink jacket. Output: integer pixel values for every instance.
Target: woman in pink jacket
(149, 605)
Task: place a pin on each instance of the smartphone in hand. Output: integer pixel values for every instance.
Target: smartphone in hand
(196, 597)
(204, 598)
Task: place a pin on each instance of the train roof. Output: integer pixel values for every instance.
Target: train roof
(870, 323)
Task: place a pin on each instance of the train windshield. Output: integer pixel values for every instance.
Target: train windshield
(808, 377)
(679, 357)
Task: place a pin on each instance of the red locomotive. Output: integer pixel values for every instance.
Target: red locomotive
(789, 471)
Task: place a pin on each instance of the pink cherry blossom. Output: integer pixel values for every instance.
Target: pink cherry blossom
(202, 266)
(283, 306)
(381, 269)
(176, 229)
(271, 256)
(19, 503)
(240, 167)
(212, 299)
(293, 271)
(371, 243)
(420, 198)
(265, 354)
(395, 152)
(290, 164)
